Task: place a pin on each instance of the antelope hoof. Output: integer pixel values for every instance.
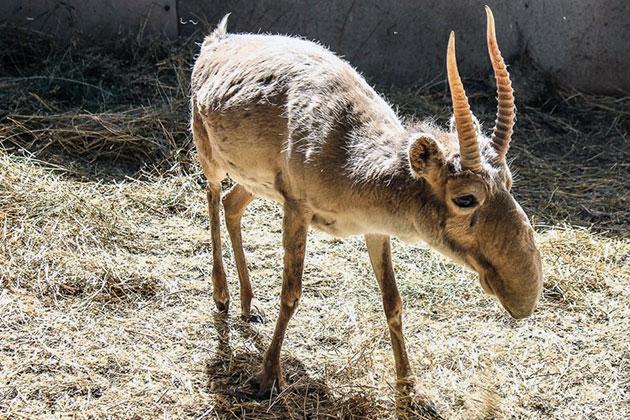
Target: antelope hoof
(222, 304)
(255, 313)
(418, 410)
(411, 402)
(269, 383)
(220, 292)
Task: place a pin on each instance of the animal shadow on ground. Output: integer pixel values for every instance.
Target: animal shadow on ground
(230, 378)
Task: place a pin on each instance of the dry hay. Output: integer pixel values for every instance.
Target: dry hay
(106, 308)
(127, 100)
(107, 311)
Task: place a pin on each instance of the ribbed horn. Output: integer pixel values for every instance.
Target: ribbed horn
(466, 131)
(506, 111)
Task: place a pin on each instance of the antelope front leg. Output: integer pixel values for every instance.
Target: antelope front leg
(381, 257)
(379, 250)
(294, 230)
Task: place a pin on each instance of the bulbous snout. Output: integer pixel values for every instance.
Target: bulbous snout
(510, 266)
(517, 283)
(521, 312)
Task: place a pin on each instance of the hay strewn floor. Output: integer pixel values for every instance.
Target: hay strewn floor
(107, 311)
(104, 300)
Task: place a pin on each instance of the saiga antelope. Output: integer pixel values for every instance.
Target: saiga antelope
(288, 120)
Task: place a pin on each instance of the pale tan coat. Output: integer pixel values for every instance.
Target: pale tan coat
(288, 120)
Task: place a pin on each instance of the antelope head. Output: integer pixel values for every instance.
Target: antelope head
(484, 227)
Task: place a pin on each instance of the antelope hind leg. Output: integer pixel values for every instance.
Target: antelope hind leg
(214, 174)
(235, 202)
(220, 292)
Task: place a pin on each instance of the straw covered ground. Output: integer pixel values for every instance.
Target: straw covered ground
(105, 304)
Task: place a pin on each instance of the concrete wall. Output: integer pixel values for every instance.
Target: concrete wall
(96, 18)
(585, 43)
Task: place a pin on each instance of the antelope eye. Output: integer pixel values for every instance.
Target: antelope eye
(465, 201)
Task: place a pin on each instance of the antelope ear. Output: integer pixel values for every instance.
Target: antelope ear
(425, 155)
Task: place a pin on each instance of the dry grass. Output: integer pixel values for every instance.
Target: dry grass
(107, 311)
(127, 100)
